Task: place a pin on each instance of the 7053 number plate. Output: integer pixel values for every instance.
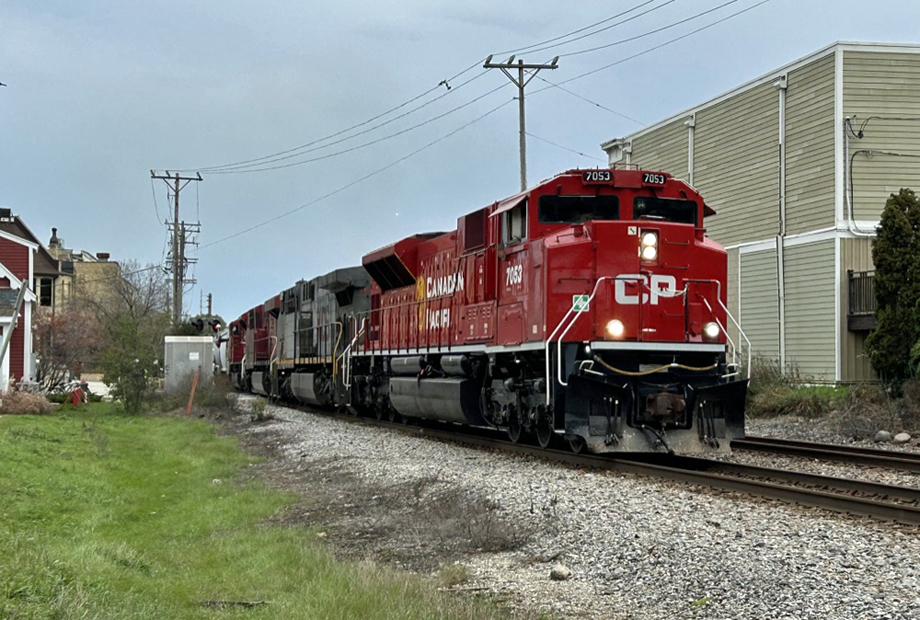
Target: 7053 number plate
(596, 176)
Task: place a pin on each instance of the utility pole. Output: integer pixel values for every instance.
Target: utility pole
(520, 82)
(176, 183)
(209, 304)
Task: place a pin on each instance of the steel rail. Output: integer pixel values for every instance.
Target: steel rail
(687, 469)
(736, 477)
(907, 461)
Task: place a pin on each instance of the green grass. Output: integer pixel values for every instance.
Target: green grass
(106, 515)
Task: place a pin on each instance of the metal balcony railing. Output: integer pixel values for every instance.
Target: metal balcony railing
(861, 309)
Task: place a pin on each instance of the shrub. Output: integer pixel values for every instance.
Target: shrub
(892, 346)
(773, 393)
(208, 395)
(20, 402)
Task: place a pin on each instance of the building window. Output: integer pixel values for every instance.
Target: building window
(45, 289)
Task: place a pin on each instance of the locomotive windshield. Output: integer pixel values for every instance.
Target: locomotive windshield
(577, 209)
(669, 210)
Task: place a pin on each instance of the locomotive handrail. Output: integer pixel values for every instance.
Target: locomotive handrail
(582, 307)
(346, 355)
(638, 278)
(725, 331)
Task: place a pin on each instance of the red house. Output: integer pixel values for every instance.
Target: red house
(17, 260)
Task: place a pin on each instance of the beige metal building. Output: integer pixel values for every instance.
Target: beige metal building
(798, 164)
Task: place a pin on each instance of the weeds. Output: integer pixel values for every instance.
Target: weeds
(257, 407)
(774, 393)
(857, 411)
(20, 402)
(453, 575)
(210, 393)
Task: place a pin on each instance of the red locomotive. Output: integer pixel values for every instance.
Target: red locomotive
(590, 307)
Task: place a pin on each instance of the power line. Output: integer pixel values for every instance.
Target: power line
(120, 274)
(358, 125)
(565, 148)
(379, 171)
(358, 147)
(604, 29)
(650, 32)
(594, 103)
(356, 181)
(293, 152)
(529, 48)
(260, 164)
(156, 207)
(657, 47)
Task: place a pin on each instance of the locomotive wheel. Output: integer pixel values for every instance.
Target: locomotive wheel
(395, 417)
(576, 444)
(514, 427)
(380, 412)
(544, 430)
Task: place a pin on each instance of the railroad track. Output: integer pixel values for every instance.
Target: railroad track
(842, 495)
(907, 461)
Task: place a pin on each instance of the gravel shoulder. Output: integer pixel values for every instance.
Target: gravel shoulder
(637, 548)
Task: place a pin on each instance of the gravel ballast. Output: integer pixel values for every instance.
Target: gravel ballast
(632, 547)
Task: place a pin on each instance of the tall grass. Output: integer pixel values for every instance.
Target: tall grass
(773, 393)
(106, 515)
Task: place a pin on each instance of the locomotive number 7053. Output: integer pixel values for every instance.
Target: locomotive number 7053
(596, 176)
(514, 274)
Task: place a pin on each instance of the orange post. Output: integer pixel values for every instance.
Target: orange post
(191, 396)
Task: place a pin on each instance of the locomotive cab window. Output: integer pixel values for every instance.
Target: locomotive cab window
(577, 209)
(665, 209)
(514, 224)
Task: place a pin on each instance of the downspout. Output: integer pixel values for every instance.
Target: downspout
(781, 85)
(691, 129)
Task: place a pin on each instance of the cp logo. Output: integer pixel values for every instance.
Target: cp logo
(660, 286)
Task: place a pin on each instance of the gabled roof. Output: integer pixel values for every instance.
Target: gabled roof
(16, 239)
(15, 283)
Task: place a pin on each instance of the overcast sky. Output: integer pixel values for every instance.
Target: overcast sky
(102, 91)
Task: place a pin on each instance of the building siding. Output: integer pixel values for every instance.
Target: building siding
(810, 169)
(664, 149)
(759, 313)
(736, 165)
(856, 255)
(15, 257)
(733, 300)
(17, 350)
(879, 84)
(810, 307)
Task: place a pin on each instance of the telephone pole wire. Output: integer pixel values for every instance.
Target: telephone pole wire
(520, 82)
(176, 183)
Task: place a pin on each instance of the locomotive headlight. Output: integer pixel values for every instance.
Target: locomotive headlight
(711, 331)
(648, 246)
(615, 328)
